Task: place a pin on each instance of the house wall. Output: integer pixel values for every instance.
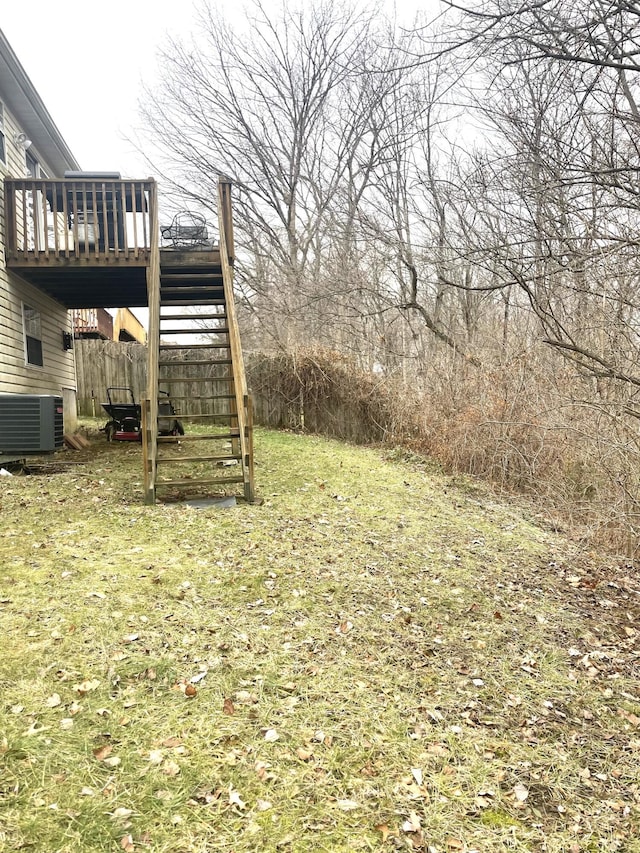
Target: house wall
(126, 322)
(57, 375)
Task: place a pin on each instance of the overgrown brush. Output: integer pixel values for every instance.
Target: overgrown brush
(527, 424)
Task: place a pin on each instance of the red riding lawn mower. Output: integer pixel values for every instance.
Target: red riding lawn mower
(124, 422)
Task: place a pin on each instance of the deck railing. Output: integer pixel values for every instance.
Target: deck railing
(94, 322)
(95, 221)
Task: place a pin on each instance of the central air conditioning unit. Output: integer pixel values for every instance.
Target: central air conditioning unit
(30, 423)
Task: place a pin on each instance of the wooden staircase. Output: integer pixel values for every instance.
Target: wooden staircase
(195, 356)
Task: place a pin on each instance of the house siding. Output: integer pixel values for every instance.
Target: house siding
(57, 375)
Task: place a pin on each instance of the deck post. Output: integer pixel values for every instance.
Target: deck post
(239, 406)
(153, 347)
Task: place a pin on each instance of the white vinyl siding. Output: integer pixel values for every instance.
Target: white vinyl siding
(57, 373)
(3, 141)
(58, 369)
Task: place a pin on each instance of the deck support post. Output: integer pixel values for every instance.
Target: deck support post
(150, 434)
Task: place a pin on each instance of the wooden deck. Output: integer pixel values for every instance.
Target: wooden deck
(87, 243)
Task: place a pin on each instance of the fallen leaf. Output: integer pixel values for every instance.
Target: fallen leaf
(87, 686)
(383, 829)
(112, 761)
(171, 742)
(304, 754)
(235, 799)
(66, 724)
(228, 707)
(412, 824)
(243, 697)
(263, 805)
(630, 718)
(121, 813)
(261, 769)
(163, 795)
(520, 792)
(483, 802)
(190, 691)
(101, 752)
(53, 701)
(271, 735)
(171, 768)
(454, 843)
(416, 772)
(127, 844)
(347, 805)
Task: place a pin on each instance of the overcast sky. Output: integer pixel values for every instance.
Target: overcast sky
(87, 61)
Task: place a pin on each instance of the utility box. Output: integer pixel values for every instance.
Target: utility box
(31, 423)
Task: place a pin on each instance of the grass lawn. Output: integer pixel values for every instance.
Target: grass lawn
(377, 658)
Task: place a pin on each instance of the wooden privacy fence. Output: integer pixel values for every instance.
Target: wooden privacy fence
(312, 393)
(101, 364)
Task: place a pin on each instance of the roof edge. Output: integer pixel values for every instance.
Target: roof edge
(35, 100)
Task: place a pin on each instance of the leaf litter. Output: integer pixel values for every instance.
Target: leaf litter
(418, 667)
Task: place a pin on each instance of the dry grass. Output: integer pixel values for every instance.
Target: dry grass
(381, 658)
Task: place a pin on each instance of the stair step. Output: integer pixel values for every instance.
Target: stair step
(191, 346)
(221, 345)
(209, 398)
(193, 317)
(178, 362)
(191, 288)
(199, 379)
(216, 300)
(169, 459)
(215, 481)
(206, 416)
(192, 331)
(201, 330)
(215, 436)
(223, 415)
(174, 380)
(190, 276)
(188, 362)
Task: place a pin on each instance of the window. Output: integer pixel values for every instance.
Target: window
(3, 153)
(32, 336)
(33, 167)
